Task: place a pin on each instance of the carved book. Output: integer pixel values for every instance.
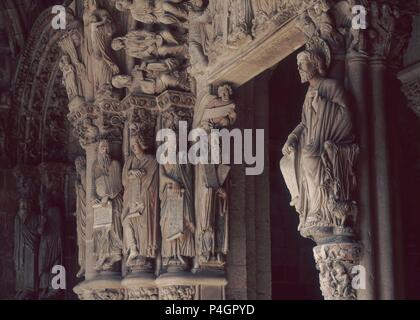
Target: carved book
(102, 216)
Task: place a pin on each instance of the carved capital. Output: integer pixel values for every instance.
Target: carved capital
(410, 79)
(143, 294)
(177, 293)
(335, 263)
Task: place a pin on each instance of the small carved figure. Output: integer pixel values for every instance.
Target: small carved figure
(147, 45)
(69, 77)
(155, 11)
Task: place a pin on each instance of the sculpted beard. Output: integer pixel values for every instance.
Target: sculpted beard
(307, 75)
(104, 160)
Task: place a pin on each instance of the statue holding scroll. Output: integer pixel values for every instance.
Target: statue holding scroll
(177, 209)
(108, 202)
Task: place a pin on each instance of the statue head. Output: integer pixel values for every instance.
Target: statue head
(310, 65)
(66, 60)
(118, 44)
(138, 145)
(322, 6)
(224, 92)
(104, 158)
(103, 147)
(138, 71)
(123, 5)
(80, 164)
(122, 81)
(23, 210)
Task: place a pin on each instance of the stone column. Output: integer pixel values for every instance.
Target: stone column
(358, 85)
(382, 183)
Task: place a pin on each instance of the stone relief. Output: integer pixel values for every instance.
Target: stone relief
(108, 204)
(165, 12)
(320, 153)
(98, 31)
(335, 263)
(177, 293)
(148, 45)
(143, 294)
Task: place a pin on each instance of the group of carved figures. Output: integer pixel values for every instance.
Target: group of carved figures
(38, 236)
(145, 212)
(163, 56)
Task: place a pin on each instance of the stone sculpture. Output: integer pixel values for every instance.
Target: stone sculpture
(80, 213)
(155, 11)
(140, 214)
(319, 154)
(211, 183)
(107, 203)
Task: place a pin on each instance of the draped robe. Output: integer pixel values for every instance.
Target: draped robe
(325, 153)
(108, 241)
(140, 214)
(183, 245)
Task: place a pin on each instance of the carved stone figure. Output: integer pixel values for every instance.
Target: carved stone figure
(159, 77)
(240, 19)
(177, 213)
(80, 213)
(140, 214)
(98, 30)
(319, 154)
(211, 184)
(155, 11)
(69, 77)
(108, 203)
(50, 251)
(199, 20)
(147, 45)
(26, 244)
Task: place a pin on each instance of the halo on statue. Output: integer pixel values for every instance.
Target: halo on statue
(316, 44)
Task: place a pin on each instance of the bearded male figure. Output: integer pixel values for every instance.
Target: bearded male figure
(140, 214)
(319, 154)
(107, 194)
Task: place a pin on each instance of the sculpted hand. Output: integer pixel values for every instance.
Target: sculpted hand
(96, 202)
(176, 187)
(290, 145)
(104, 201)
(222, 193)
